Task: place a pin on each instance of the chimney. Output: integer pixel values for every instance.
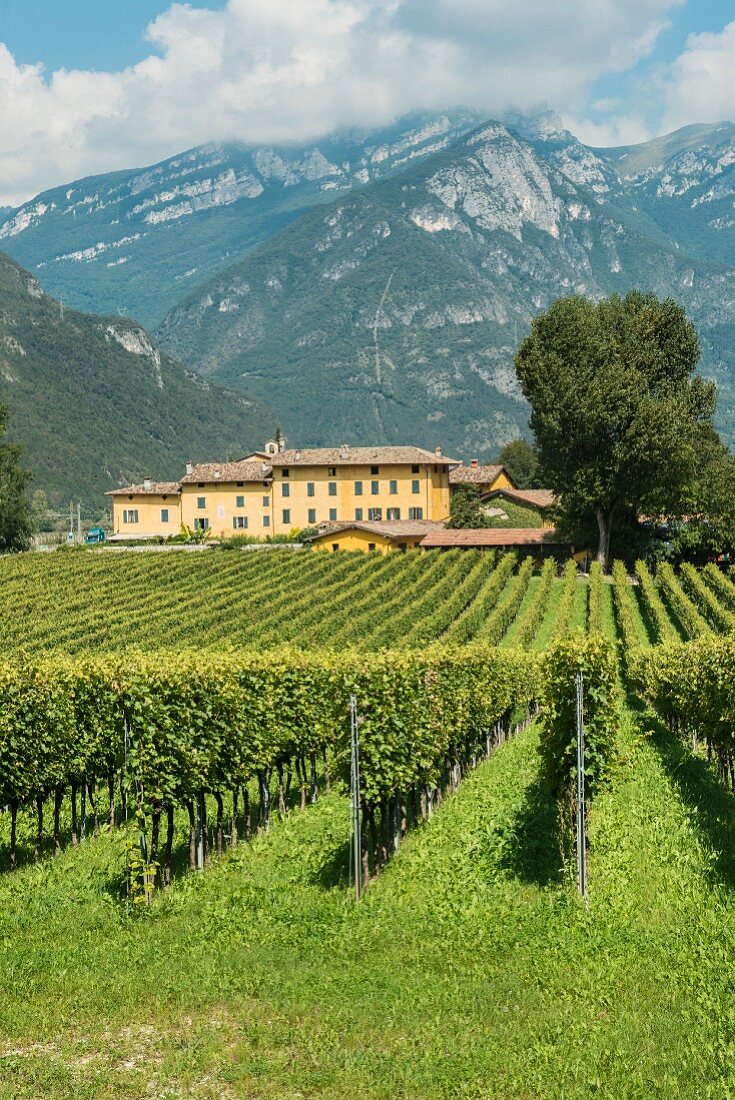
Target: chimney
(438, 452)
(189, 468)
(217, 473)
(474, 462)
(298, 456)
(344, 451)
(147, 483)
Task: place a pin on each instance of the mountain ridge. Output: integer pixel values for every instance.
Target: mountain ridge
(436, 272)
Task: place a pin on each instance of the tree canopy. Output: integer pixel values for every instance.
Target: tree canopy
(16, 521)
(618, 414)
(521, 462)
(467, 509)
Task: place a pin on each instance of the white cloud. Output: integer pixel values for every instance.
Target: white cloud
(619, 130)
(700, 86)
(289, 70)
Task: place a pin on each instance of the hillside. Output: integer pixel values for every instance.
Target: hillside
(137, 240)
(394, 312)
(96, 405)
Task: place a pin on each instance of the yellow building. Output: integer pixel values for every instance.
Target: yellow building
(378, 537)
(228, 498)
(487, 478)
(274, 492)
(361, 484)
(147, 510)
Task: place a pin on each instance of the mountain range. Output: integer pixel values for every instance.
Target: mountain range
(372, 287)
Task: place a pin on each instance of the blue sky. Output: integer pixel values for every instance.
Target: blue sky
(88, 86)
(86, 34)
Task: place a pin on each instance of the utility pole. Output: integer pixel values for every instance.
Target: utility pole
(79, 522)
(71, 521)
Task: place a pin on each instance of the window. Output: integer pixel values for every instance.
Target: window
(332, 471)
(374, 469)
(335, 547)
(394, 513)
(201, 502)
(375, 513)
(375, 487)
(239, 484)
(310, 488)
(239, 522)
(130, 515)
(332, 488)
(164, 515)
(415, 486)
(403, 546)
(358, 488)
(415, 513)
(286, 490)
(371, 546)
(286, 515)
(266, 501)
(201, 523)
(239, 502)
(311, 515)
(332, 515)
(414, 469)
(358, 513)
(266, 521)
(393, 488)
(200, 485)
(285, 472)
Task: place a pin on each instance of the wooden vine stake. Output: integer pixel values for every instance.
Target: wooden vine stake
(581, 814)
(356, 835)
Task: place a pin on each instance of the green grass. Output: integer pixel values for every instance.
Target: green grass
(529, 597)
(578, 619)
(609, 626)
(469, 970)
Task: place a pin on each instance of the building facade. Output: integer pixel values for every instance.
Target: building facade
(278, 491)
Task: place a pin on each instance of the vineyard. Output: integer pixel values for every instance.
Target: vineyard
(160, 711)
(103, 603)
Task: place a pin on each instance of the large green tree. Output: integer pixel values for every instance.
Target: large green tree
(521, 462)
(618, 414)
(467, 509)
(16, 520)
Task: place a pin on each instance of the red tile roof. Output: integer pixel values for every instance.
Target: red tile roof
(213, 472)
(361, 456)
(153, 488)
(475, 475)
(534, 498)
(389, 528)
(495, 536)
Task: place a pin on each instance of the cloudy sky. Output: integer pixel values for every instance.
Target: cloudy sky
(88, 86)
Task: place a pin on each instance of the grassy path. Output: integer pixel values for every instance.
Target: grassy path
(469, 971)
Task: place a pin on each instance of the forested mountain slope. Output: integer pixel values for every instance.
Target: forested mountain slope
(95, 403)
